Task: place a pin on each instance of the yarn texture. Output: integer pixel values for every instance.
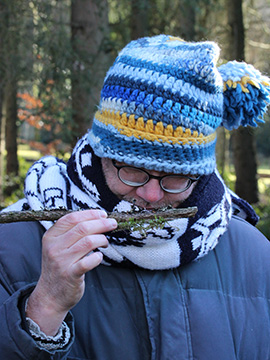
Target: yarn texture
(163, 99)
(80, 184)
(160, 106)
(246, 95)
(161, 103)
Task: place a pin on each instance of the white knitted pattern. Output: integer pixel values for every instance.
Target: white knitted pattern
(48, 186)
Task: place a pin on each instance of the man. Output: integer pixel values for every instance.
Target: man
(197, 288)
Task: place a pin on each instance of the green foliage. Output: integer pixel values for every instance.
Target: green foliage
(44, 57)
(16, 182)
(263, 208)
(52, 55)
(142, 226)
(263, 211)
(190, 19)
(228, 177)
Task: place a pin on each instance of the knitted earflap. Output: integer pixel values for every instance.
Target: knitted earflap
(246, 95)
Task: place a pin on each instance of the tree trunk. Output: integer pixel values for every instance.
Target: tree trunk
(139, 19)
(245, 164)
(89, 27)
(10, 98)
(2, 78)
(12, 165)
(236, 41)
(221, 150)
(188, 20)
(244, 152)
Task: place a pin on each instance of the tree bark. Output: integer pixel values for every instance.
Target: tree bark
(245, 164)
(221, 150)
(2, 79)
(236, 41)
(188, 20)
(139, 19)
(89, 28)
(243, 143)
(125, 220)
(12, 165)
(10, 97)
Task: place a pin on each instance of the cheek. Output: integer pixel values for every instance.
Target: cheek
(187, 193)
(179, 198)
(117, 187)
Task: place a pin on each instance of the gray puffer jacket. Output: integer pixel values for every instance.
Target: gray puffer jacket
(217, 308)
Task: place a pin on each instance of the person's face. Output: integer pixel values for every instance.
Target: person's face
(148, 196)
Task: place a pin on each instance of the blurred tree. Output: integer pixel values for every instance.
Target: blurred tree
(2, 74)
(2, 64)
(243, 142)
(262, 139)
(89, 29)
(64, 48)
(10, 95)
(139, 18)
(189, 19)
(50, 81)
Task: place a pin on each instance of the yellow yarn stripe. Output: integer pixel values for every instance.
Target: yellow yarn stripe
(243, 83)
(174, 38)
(129, 126)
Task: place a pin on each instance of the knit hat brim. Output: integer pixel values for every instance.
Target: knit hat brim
(180, 155)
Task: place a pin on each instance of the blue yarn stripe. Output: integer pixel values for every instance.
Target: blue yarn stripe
(202, 99)
(167, 82)
(177, 72)
(127, 89)
(192, 159)
(165, 43)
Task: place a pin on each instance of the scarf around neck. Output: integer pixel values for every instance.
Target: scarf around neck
(80, 184)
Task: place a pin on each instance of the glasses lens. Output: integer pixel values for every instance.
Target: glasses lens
(132, 176)
(176, 183)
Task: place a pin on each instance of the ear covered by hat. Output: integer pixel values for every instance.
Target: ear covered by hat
(163, 99)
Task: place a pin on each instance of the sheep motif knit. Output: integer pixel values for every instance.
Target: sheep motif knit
(80, 184)
(161, 104)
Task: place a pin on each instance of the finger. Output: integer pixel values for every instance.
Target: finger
(83, 229)
(86, 245)
(87, 263)
(91, 227)
(64, 239)
(70, 220)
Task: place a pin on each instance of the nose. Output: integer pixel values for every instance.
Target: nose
(151, 192)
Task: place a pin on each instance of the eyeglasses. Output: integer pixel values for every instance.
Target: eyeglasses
(136, 177)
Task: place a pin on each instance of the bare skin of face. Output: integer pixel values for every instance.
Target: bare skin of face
(149, 196)
(67, 244)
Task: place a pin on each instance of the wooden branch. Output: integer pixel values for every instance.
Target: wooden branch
(125, 220)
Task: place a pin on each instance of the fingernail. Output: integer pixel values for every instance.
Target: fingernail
(103, 214)
(99, 254)
(113, 223)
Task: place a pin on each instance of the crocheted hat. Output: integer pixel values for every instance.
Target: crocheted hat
(162, 101)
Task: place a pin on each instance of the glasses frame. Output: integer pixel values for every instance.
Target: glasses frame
(150, 176)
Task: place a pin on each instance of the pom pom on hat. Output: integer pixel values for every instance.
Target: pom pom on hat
(246, 95)
(163, 99)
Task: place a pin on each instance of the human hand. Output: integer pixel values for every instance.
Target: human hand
(66, 256)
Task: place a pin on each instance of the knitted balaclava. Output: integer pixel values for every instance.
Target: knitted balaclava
(163, 100)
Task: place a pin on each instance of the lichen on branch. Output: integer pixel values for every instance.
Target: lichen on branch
(125, 220)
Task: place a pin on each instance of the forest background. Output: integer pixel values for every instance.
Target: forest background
(54, 55)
